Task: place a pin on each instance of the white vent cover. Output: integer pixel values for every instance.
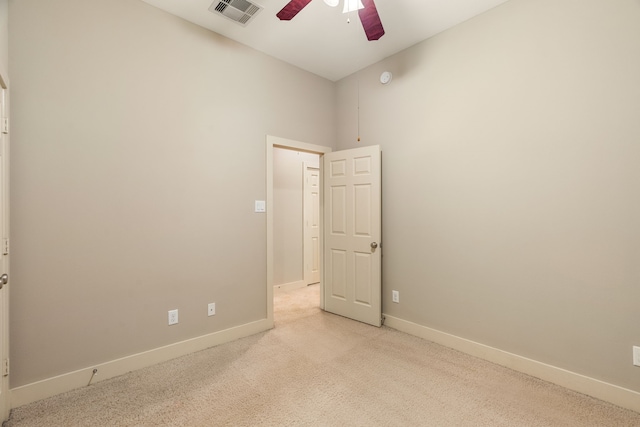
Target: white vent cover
(240, 11)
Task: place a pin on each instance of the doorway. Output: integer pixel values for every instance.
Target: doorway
(296, 210)
(352, 285)
(272, 144)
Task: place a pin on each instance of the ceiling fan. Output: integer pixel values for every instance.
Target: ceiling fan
(366, 10)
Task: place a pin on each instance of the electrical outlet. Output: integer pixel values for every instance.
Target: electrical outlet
(173, 317)
(395, 296)
(636, 356)
(211, 309)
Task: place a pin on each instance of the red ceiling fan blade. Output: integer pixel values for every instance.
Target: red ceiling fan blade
(291, 9)
(371, 20)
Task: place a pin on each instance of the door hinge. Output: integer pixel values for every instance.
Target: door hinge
(5, 367)
(5, 125)
(5, 246)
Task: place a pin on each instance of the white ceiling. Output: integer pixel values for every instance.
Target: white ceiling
(320, 40)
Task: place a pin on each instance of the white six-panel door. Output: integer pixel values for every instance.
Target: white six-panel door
(353, 227)
(311, 225)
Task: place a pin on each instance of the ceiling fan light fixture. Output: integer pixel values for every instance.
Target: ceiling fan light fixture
(332, 3)
(352, 5)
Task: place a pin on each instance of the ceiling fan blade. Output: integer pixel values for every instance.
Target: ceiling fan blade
(371, 20)
(291, 9)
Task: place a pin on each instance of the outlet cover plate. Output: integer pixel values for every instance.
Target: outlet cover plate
(395, 296)
(173, 317)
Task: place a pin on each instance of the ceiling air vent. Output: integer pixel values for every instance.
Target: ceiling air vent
(240, 11)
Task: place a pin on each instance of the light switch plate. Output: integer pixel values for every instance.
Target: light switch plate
(261, 206)
(636, 355)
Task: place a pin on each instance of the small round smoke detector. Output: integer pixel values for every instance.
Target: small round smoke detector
(385, 77)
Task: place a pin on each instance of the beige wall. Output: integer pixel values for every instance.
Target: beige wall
(288, 176)
(511, 181)
(138, 151)
(4, 36)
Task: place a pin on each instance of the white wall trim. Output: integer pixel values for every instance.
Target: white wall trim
(290, 286)
(72, 380)
(590, 386)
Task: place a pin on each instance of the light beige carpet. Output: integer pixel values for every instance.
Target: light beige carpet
(318, 369)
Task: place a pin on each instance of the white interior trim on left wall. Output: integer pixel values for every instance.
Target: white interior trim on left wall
(77, 379)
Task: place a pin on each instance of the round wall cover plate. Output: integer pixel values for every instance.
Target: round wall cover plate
(385, 77)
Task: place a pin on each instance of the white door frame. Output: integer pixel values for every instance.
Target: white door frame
(272, 142)
(5, 407)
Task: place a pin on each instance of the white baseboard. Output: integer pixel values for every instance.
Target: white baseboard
(590, 386)
(290, 286)
(72, 380)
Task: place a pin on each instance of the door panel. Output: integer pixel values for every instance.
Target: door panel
(362, 206)
(338, 215)
(339, 274)
(362, 278)
(352, 188)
